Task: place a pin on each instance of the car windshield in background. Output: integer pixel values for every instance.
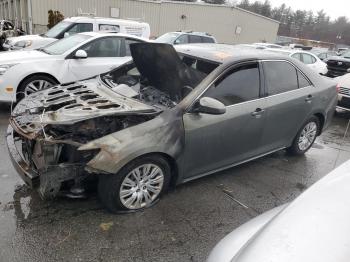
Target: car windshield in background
(63, 45)
(57, 29)
(167, 38)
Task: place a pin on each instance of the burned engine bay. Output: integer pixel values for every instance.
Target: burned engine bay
(49, 127)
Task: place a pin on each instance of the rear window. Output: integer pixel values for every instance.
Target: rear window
(280, 77)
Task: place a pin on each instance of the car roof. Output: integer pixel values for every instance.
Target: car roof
(112, 33)
(193, 33)
(104, 20)
(223, 53)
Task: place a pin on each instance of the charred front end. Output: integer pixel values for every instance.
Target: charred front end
(47, 128)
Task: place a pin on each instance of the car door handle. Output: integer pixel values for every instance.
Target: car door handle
(258, 112)
(308, 99)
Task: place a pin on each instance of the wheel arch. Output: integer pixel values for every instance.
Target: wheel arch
(322, 119)
(37, 74)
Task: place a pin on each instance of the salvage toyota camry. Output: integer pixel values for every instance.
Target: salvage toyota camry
(167, 117)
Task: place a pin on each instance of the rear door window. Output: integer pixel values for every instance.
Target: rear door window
(297, 56)
(207, 39)
(308, 59)
(280, 77)
(129, 41)
(195, 39)
(302, 81)
(239, 85)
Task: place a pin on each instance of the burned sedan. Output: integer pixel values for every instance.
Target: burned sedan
(168, 117)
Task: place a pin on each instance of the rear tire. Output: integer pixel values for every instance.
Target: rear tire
(305, 137)
(123, 192)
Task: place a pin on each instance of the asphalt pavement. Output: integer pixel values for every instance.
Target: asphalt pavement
(184, 226)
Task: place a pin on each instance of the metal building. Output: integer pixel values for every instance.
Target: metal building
(228, 24)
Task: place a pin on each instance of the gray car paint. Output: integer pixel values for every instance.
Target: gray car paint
(187, 138)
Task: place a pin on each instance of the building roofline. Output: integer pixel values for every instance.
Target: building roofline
(205, 4)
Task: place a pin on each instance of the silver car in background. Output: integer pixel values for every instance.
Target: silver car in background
(314, 227)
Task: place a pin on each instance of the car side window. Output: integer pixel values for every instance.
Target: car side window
(80, 28)
(195, 39)
(239, 85)
(280, 77)
(322, 55)
(302, 81)
(207, 39)
(104, 27)
(129, 41)
(182, 39)
(297, 56)
(308, 59)
(104, 47)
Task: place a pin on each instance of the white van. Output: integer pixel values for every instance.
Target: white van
(74, 25)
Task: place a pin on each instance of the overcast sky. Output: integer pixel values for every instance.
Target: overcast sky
(334, 8)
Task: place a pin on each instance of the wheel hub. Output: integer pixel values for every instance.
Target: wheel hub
(141, 186)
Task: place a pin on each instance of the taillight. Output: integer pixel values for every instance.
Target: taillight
(337, 88)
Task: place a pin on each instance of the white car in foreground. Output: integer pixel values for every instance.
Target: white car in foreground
(70, 59)
(311, 60)
(313, 228)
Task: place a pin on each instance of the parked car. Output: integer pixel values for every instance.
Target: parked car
(338, 65)
(143, 126)
(70, 59)
(268, 45)
(307, 58)
(343, 92)
(314, 227)
(7, 29)
(189, 37)
(324, 54)
(74, 25)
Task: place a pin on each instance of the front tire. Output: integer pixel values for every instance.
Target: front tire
(136, 186)
(34, 84)
(305, 137)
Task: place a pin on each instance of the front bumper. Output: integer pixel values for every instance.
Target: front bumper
(29, 176)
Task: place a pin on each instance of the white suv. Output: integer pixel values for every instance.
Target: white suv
(189, 37)
(74, 25)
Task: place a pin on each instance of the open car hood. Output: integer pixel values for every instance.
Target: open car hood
(164, 69)
(68, 104)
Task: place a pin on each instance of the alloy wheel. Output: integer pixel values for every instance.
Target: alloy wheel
(307, 136)
(141, 186)
(36, 86)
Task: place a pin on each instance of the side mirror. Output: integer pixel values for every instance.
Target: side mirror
(66, 34)
(208, 105)
(176, 42)
(80, 54)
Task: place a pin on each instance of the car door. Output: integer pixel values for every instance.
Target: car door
(289, 101)
(216, 141)
(103, 54)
